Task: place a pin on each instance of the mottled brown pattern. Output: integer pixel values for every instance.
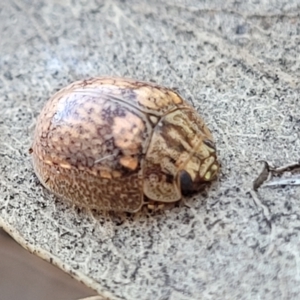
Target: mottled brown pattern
(104, 143)
(86, 190)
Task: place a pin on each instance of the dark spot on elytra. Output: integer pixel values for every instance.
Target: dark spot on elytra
(128, 94)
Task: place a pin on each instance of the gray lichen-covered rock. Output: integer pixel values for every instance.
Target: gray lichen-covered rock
(238, 63)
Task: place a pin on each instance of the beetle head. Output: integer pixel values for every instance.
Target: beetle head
(199, 169)
(181, 157)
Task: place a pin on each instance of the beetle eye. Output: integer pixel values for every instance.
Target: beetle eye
(188, 186)
(186, 183)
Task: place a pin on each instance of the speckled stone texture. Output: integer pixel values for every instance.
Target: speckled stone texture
(238, 63)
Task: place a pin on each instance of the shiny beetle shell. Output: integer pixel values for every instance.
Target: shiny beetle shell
(117, 144)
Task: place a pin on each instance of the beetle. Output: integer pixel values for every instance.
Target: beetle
(116, 144)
